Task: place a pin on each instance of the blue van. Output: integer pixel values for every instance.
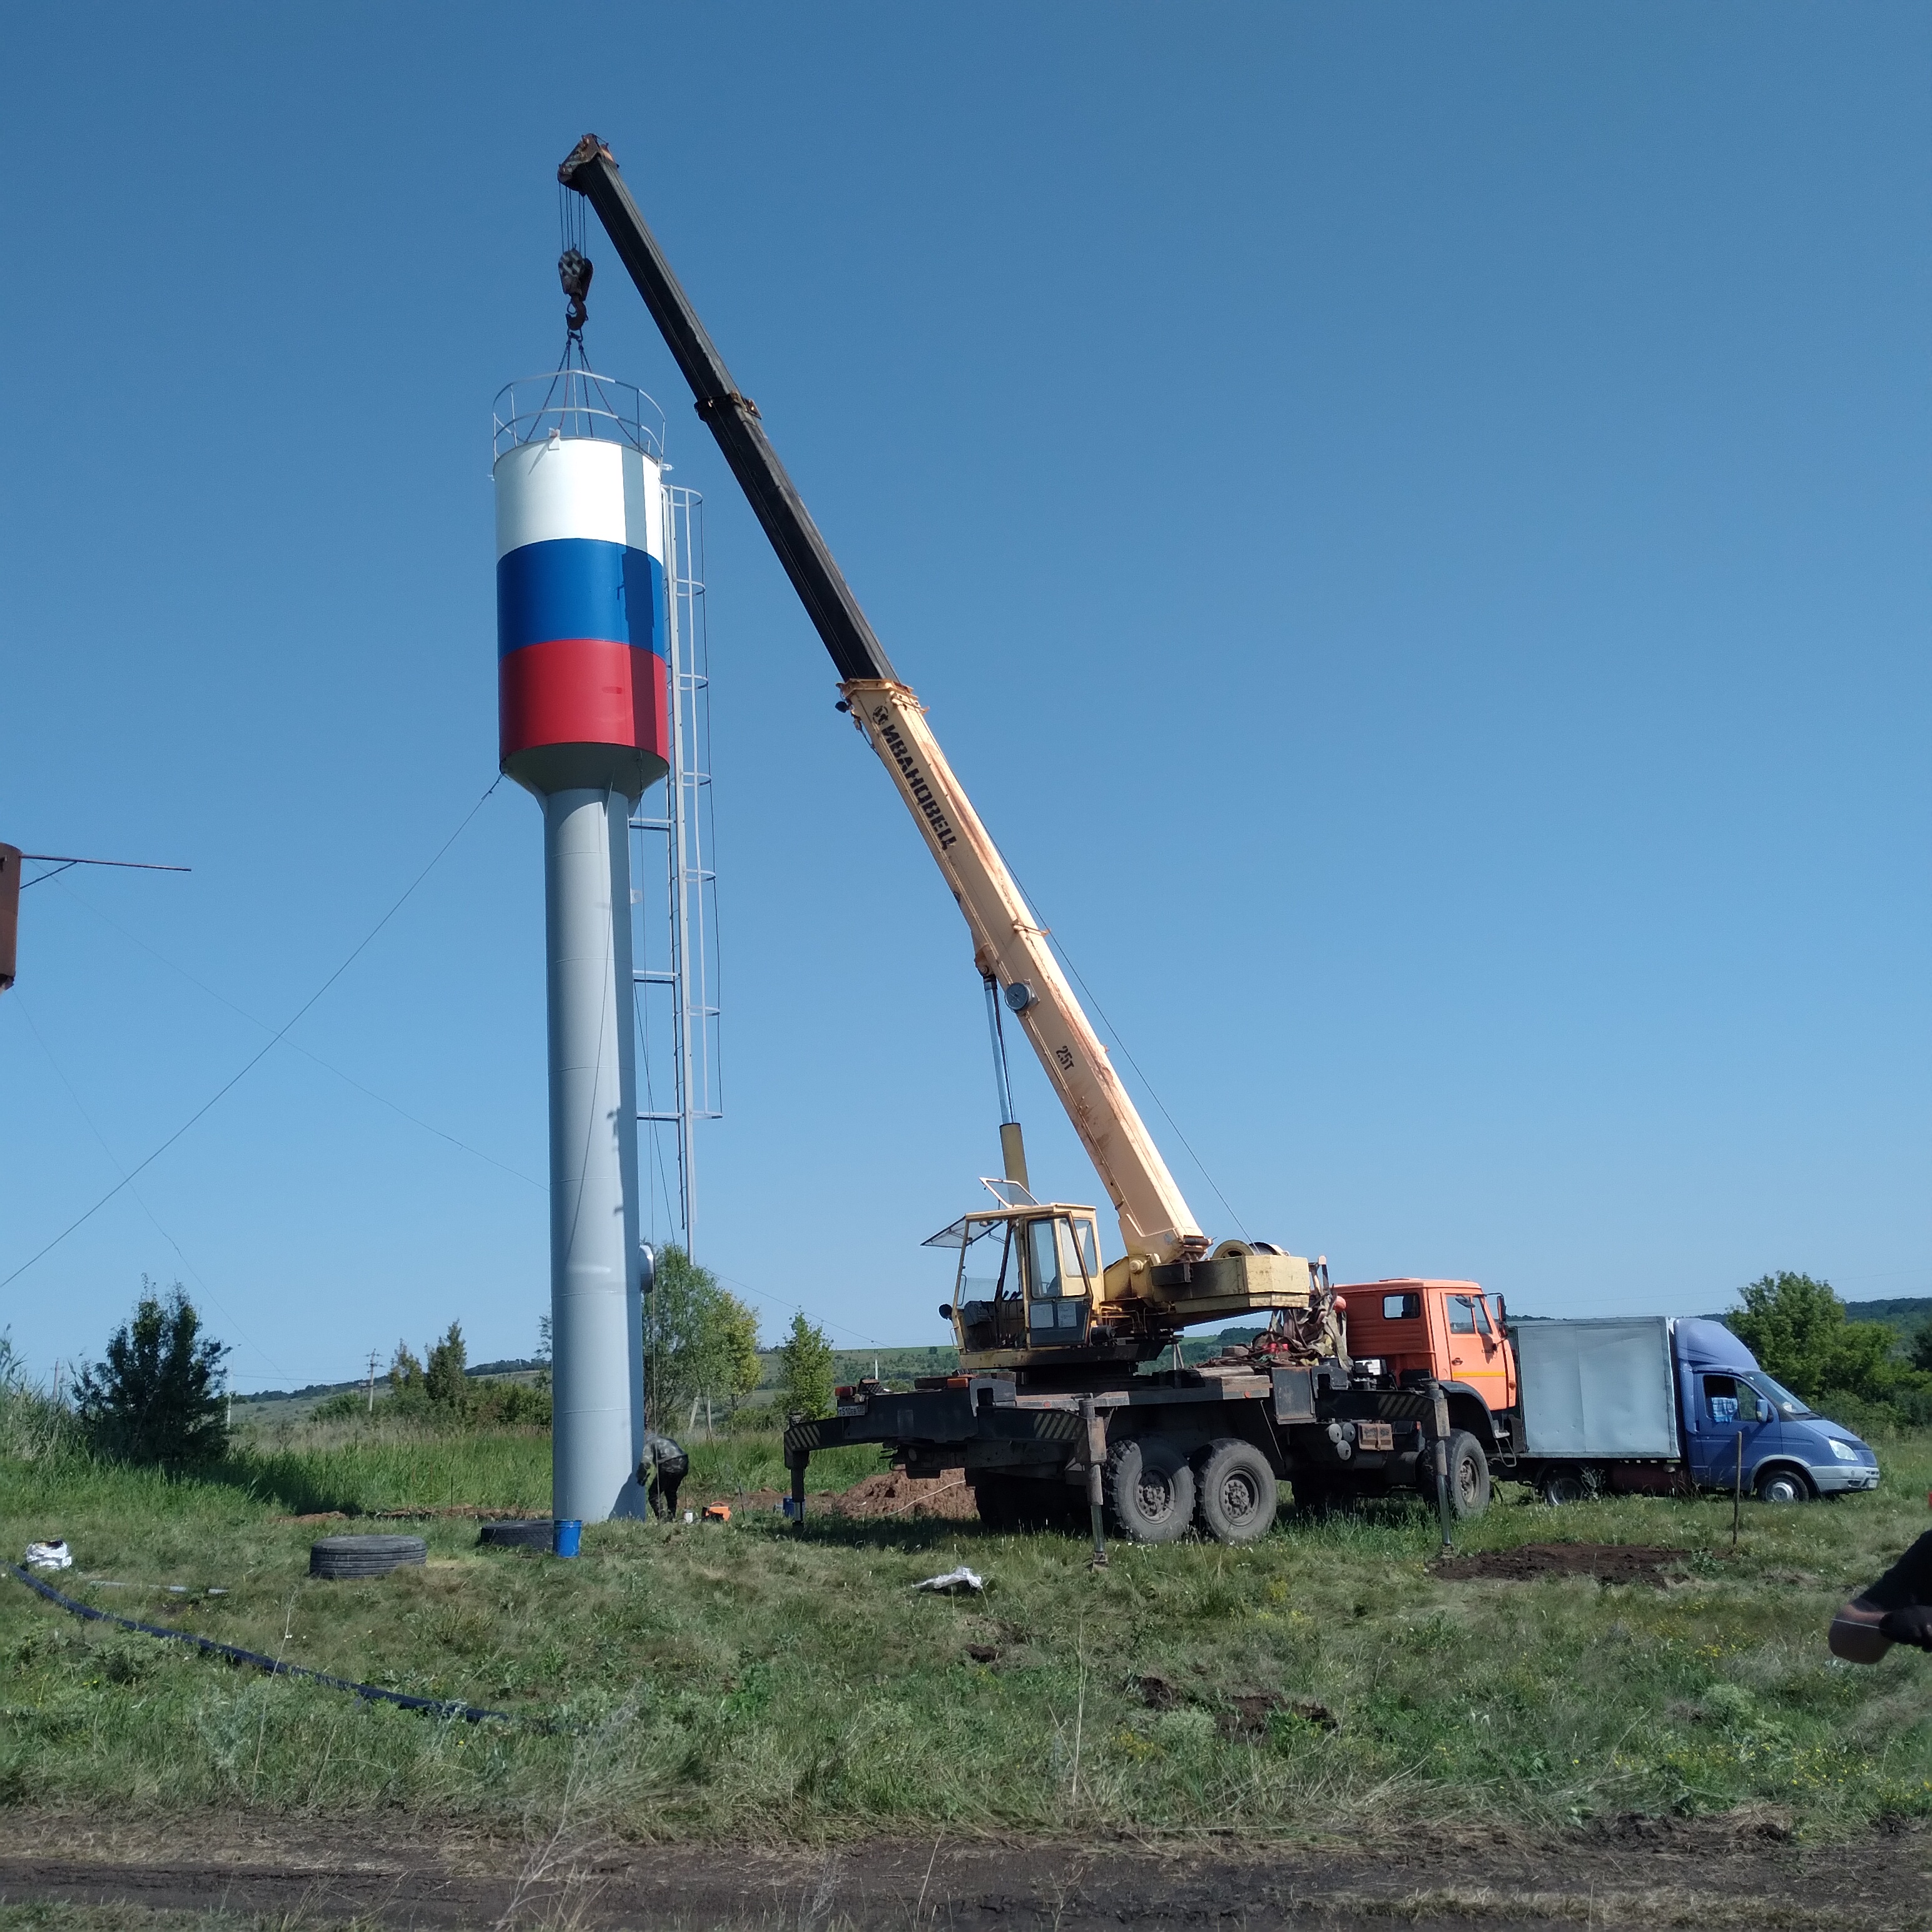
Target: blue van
(1790, 1452)
(1648, 1403)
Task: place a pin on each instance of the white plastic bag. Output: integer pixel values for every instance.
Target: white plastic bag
(958, 1583)
(53, 1555)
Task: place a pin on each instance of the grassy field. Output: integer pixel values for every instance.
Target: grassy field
(748, 1680)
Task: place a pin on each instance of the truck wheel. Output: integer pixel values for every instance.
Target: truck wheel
(1783, 1485)
(1237, 1495)
(1559, 1486)
(1468, 1474)
(1149, 1490)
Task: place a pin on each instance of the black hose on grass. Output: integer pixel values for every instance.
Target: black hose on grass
(437, 1707)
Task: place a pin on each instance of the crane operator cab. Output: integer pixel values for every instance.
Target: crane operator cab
(1028, 1276)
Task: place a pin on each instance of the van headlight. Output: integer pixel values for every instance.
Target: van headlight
(1846, 1452)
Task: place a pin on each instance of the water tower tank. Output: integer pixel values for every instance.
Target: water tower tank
(579, 586)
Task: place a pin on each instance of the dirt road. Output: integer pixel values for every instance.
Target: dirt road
(1740, 1872)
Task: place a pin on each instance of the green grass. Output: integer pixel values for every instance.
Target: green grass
(705, 1679)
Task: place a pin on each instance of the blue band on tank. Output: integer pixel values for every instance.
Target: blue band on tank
(580, 587)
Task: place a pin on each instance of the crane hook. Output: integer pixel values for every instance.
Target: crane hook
(573, 271)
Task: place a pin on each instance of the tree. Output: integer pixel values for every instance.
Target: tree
(1922, 1348)
(157, 1397)
(445, 1380)
(1797, 1328)
(406, 1372)
(805, 1371)
(700, 1341)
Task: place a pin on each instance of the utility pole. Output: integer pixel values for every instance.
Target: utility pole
(374, 1353)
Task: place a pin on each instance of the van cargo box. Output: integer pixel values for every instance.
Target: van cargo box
(1598, 1390)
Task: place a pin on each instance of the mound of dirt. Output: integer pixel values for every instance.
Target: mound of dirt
(1607, 1562)
(895, 1493)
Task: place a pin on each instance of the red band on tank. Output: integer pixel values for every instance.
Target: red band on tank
(582, 691)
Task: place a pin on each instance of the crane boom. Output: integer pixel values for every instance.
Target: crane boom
(1156, 1222)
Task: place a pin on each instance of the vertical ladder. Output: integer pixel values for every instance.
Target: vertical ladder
(679, 1069)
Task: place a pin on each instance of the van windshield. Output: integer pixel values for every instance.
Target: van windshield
(1788, 1404)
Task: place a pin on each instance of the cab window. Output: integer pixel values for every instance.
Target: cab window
(1043, 1259)
(1401, 1307)
(1462, 1315)
(1085, 1254)
(1482, 1314)
(1731, 1399)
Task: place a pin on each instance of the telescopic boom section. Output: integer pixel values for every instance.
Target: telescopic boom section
(1155, 1221)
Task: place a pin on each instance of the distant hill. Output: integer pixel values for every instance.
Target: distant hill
(1908, 1314)
(1905, 1315)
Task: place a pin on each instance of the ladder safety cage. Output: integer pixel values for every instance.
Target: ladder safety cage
(675, 935)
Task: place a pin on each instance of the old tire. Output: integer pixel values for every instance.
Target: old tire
(1782, 1485)
(533, 1533)
(340, 1558)
(1557, 1487)
(1149, 1490)
(1468, 1475)
(1235, 1493)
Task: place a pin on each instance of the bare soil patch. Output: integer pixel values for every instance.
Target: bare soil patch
(1607, 1562)
(893, 1492)
(1720, 1874)
(890, 1493)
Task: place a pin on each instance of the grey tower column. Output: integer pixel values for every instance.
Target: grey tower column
(595, 1315)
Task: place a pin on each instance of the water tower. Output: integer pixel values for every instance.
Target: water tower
(584, 727)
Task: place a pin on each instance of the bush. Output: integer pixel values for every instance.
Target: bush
(439, 1391)
(157, 1397)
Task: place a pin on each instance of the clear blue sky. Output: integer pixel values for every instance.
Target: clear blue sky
(1410, 521)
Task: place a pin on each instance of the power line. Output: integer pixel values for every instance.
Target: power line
(228, 1087)
(114, 1162)
(327, 1067)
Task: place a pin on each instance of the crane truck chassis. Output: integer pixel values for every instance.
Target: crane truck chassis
(1161, 1454)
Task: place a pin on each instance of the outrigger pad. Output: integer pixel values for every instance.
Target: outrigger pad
(1897, 1609)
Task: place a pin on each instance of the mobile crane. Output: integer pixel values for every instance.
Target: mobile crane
(1051, 1409)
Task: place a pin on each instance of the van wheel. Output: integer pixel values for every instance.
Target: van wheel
(1149, 1490)
(1559, 1486)
(1783, 1485)
(1237, 1492)
(1468, 1474)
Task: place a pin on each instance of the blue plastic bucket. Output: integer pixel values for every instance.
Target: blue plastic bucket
(569, 1534)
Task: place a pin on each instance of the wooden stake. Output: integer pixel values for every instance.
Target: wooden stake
(1738, 1490)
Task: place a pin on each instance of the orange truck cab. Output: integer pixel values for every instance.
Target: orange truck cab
(1404, 1332)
